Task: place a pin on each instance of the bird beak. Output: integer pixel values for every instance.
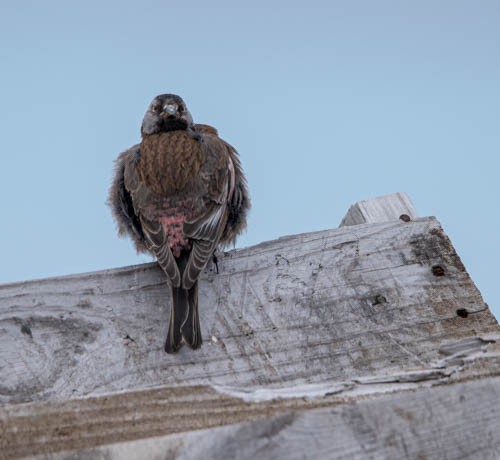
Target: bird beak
(170, 109)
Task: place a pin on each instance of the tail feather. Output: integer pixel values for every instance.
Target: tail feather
(190, 329)
(184, 324)
(179, 307)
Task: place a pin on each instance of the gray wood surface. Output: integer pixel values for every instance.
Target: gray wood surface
(396, 206)
(338, 305)
(48, 427)
(367, 341)
(460, 421)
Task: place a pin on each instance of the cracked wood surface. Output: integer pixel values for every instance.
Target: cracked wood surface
(320, 319)
(327, 306)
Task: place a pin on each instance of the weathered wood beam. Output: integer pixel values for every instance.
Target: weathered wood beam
(333, 305)
(48, 427)
(325, 319)
(455, 421)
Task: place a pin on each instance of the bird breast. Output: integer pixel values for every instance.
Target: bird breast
(170, 162)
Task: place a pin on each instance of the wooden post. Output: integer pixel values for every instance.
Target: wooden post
(381, 209)
(311, 342)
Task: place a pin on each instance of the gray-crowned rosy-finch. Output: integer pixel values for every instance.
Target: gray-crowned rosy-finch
(179, 194)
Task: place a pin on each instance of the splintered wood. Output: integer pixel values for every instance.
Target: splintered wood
(303, 322)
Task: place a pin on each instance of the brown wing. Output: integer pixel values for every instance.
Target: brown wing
(205, 129)
(120, 201)
(155, 237)
(239, 200)
(238, 203)
(206, 229)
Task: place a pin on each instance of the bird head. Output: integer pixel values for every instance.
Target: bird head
(167, 112)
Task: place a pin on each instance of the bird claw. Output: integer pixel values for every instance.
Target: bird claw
(214, 261)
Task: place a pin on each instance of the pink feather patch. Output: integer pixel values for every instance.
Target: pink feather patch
(173, 225)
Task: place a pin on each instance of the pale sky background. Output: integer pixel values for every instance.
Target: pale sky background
(328, 102)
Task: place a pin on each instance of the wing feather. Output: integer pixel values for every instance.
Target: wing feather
(206, 230)
(226, 202)
(157, 241)
(155, 236)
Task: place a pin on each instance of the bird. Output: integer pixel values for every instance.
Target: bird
(179, 194)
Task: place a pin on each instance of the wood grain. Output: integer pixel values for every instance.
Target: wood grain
(54, 426)
(367, 341)
(460, 421)
(328, 306)
(80, 424)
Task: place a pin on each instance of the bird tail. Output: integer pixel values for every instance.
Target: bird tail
(179, 307)
(190, 328)
(184, 321)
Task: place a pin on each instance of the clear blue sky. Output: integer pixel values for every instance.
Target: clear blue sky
(328, 102)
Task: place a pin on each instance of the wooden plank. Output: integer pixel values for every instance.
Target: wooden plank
(48, 427)
(327, 319)
(450, 422)
(396, 206)
(337, 305)
(54, 426)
